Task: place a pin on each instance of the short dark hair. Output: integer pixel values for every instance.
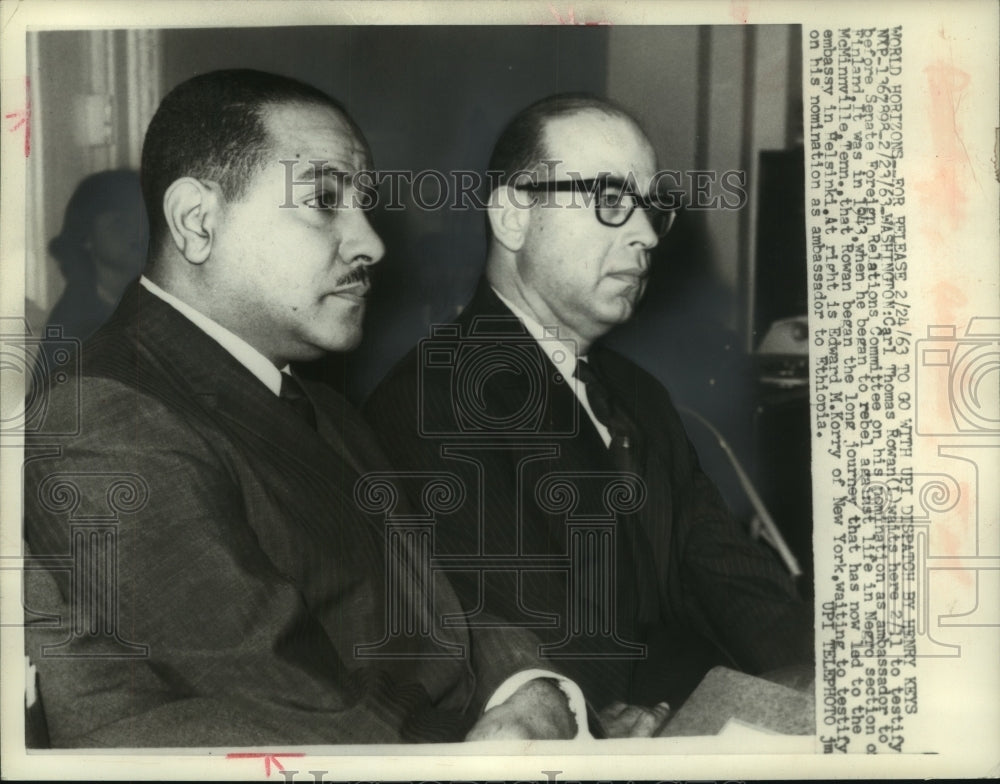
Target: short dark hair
(212, 127)
(521, 145)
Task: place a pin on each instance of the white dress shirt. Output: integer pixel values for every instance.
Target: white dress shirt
(563, 356)
(242, 352)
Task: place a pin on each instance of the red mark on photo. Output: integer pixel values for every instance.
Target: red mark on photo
(952, 167)
(22, 119)
(269, 759)
(740, 11)
(570, 18)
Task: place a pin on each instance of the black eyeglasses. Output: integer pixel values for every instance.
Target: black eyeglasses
(614, 203)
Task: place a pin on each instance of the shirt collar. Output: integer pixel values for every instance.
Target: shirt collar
(242, 352)
(548, 338)
(562, 354)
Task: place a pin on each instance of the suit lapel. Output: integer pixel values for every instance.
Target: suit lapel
(342, 427)
(562, 414)
(305, 476)
(583, 450)
(205, 372)
(656, 515)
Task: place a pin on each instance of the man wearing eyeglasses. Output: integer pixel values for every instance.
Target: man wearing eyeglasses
(554, 435)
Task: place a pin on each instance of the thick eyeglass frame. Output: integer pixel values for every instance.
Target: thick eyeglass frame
(660, 218)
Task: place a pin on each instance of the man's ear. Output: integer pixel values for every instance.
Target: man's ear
(509, 215)
(192, 209)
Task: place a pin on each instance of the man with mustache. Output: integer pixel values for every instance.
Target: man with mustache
(522, 401)
(248, 600)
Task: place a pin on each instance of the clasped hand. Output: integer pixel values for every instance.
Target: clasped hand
(539, 710)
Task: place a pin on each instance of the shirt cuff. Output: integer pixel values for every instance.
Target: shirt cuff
(574, 696)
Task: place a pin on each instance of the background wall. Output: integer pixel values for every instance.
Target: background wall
(93, 94)
(710, 98)
(435, 97)
(427, 98)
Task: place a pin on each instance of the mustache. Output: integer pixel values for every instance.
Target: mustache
(357, 275)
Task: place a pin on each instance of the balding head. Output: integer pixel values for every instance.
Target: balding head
(521, 145)
(570, 232)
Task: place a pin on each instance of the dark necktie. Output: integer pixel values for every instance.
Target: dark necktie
(633, 604)
(295, 396)
(624, 446)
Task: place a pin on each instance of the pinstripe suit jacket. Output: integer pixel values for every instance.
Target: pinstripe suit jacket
(244, 565)
(691, 585)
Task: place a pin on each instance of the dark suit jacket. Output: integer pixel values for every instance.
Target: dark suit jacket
(691, 584)
(244, 565)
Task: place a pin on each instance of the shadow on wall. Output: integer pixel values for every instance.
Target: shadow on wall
(100, 250)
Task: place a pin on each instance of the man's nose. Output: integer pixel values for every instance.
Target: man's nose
(640, 230)
(360, 243)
